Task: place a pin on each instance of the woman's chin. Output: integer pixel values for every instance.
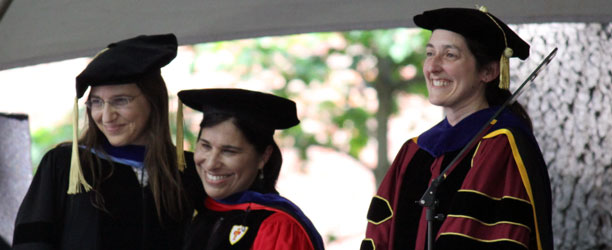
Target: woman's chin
(217, 196)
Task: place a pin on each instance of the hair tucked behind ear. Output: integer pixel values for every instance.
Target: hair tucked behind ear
(260, 138)
(494, 95)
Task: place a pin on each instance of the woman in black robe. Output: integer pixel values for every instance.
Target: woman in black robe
(120, 186)
(238, 162)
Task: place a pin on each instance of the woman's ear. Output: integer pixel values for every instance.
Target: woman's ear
(489, 72)
(265, 157)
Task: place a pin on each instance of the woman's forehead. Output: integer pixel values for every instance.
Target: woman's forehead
(223, 131)
(446, 39)
(129, 88)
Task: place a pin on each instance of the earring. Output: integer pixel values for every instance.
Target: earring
(261, 174)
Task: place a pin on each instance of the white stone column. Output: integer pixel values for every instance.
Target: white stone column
(15, 170)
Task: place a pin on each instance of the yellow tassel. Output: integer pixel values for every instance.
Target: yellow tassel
(180, 156)
(76, 181)
(504, 60)
(504, 69)
(195, 213)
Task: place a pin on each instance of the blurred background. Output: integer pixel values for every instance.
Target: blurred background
(359, 94)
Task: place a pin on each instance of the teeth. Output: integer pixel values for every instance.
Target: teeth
(439, 83)
(216, 177)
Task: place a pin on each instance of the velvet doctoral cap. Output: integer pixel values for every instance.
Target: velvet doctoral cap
(475, 24)
(272, 112)
(123, 62)
(496, 38)
(127, 61)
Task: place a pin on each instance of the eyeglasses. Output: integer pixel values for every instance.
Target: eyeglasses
(115, 102)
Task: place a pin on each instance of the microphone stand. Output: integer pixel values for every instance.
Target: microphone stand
(429, 199)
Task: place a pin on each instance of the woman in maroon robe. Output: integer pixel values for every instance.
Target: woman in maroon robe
(497, 196)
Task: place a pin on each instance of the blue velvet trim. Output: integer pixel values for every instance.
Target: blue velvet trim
(131, 155)
(444, 138)
(275, 200)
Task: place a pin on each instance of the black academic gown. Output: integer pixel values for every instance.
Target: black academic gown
(49, 218)
(251, 221)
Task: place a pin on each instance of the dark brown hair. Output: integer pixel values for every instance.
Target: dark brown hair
(160, 159)
(494, 95)
(258, 136)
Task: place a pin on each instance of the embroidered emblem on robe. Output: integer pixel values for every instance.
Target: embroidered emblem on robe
(237, 232)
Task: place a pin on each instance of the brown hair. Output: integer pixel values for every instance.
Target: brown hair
(495, 96)
(260, 137)
(160, 159)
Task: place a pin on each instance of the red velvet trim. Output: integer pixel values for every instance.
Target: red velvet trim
(280, 232)
(266, 233)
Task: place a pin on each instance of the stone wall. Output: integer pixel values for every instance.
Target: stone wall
(15, 170)
(571, 108)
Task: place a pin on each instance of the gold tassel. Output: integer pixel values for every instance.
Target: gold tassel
(76, 181)
(504, 60)
(195, 213)
(504, 69)
(180, 156)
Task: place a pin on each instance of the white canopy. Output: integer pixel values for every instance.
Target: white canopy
(38, 31)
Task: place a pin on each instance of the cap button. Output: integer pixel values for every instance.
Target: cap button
(508, 52)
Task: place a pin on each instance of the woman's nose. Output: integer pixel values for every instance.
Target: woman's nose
(432, 64)
(108, 113)
(211, 160)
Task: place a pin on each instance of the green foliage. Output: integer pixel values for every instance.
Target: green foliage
(385, 61)
(44, 139)
(189, 137)
(310, 69)
(354, 119)
(302, 140)
(306, 58)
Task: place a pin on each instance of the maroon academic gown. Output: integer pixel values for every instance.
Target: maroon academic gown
(497, 197)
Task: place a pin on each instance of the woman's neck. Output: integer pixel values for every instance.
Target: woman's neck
(455, 115)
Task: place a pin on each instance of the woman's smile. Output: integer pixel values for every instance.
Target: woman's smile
(217, 178)
(226, 162)
(123, 125)
(453, 80)
(440, 83)
(113, 128)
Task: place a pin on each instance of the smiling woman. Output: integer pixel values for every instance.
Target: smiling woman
(123, 116)
(497, 195)
(227, 162)
(239, 162)
(120, 186)
(453, 81)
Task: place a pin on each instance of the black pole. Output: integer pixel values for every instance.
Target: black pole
(4, 5)
(429, 198)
